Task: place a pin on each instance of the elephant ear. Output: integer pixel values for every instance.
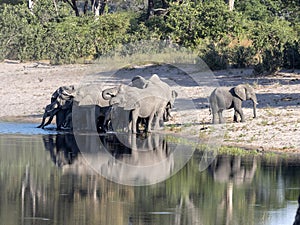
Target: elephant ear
(139, 82)
(127, 98)
(240, 91)
(174, 94)
(173, 97)
(131, 99)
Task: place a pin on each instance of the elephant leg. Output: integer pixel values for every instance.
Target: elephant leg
(239, 111)
(107, 118)
(221, 118)
(215, 118)
(159, 119)
(133, 123)
(68, 121)
(149, 124)
(129, 122)
(60, 119)
(235, 116)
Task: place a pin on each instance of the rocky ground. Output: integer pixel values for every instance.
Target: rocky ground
(26, 88)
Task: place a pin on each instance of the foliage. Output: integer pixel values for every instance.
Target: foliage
(187, 23)
(263, 34)
(61, 38)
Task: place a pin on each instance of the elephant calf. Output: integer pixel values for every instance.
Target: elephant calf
(227, 98)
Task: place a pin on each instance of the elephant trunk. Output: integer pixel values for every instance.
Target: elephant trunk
(107, 94)
(254, 100)
(113, 101)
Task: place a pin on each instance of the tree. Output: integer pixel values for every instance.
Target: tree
(231, 4)
(73, 5)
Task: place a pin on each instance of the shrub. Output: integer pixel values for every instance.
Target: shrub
(62, 38)
(49, 32)
(215, 55)
(241, 56)
(291, 55)
(188, 22)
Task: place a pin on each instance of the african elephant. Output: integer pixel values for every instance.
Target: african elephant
(168, 93)
(83, 107)
(139, 82)
(226, 98)
(62, 148)
(143, 103)
(89, 108)
(60, 106)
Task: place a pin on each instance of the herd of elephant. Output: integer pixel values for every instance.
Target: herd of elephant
(143, 105)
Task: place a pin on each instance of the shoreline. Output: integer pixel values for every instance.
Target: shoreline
(26, 88)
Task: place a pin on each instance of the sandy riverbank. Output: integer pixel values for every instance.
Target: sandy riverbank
(26, 88)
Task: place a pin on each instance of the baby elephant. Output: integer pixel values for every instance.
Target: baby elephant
(227, 98)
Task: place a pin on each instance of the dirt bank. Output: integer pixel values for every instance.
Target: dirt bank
(26, 88)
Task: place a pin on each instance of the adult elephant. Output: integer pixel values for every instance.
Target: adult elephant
(223, 98)
(60, 106)
(89, 108)
(143, 103)
(83, 106)
(167, 93)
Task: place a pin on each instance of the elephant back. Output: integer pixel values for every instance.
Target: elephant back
(90, 95)
(165, 89)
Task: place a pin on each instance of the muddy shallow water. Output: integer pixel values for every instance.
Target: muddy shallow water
(58, 178)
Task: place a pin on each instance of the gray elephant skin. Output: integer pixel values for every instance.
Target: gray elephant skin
(89, 109)
(144, 99)
(84, 105)
(223, 98)
(60, 106)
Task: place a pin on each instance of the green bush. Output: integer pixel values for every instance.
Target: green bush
(85, 37)
(188, 22)
(62, 38)
(291, 55)
(215, 55)
(270, 28)
(241, 56)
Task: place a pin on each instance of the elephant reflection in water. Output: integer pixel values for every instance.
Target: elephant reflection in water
(122, 157)
(63, 151)
(132, 158)
(297, 217)
(230, 170)
(194, 216)
(62, 147)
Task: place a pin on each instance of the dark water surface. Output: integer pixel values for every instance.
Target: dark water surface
(45, 179)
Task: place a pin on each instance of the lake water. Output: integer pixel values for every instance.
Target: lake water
(50, 178)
